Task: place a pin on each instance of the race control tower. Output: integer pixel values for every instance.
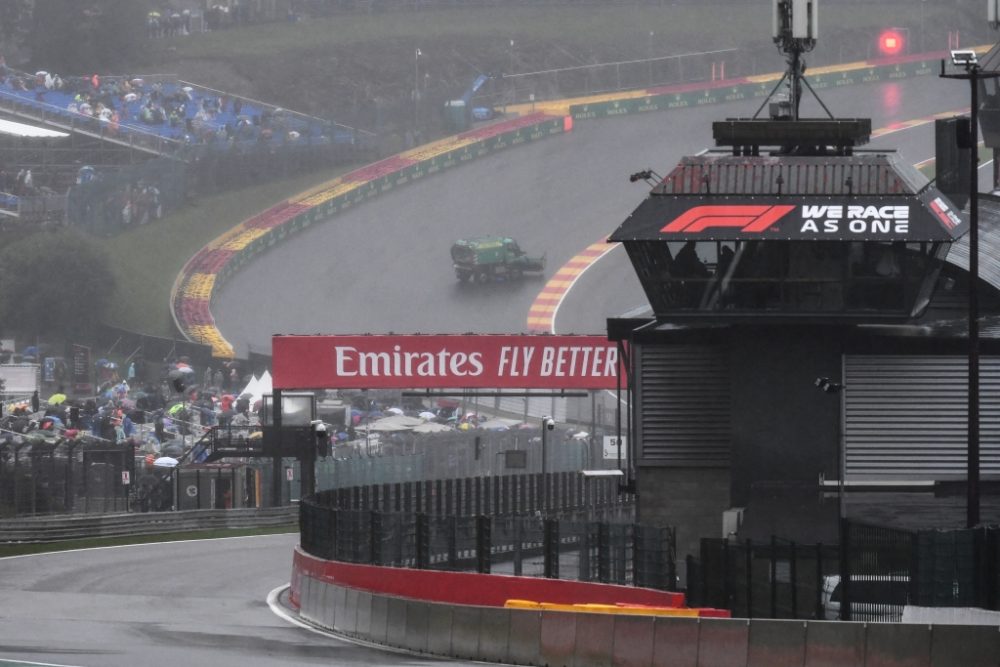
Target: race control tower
(774, 265)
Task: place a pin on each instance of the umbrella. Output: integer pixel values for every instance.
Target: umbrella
(56, 399)
(184, 368)
(172, 450)
(165, 462)
(427, 415)
(431, 427)
(174, 409)
(582, 435)
(498, 424)
(395, 411)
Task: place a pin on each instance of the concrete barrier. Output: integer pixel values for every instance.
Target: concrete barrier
(396, 622)
(777, 644)
(675, 641)
(965, 646)
(524, 641)
(380, 620)
(558, 640)
(633, 641)
(439, 622)
(417, 625)
(723, 642)
(465, 622)
(897, 645)
(364, 614)
(595, 640)
(494, 634)
(586, 639)
(835, 644)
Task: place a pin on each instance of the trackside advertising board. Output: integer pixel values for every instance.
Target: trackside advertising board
(444, 361)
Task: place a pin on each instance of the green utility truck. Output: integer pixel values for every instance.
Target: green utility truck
(490, 257)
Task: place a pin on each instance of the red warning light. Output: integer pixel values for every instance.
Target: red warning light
(891, 42)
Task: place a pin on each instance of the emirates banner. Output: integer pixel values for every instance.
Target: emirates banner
(444, 362)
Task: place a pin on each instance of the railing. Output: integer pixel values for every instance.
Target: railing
(557, 525)
(51, 529)
(772, 579)
(33, 207)
(871, 576)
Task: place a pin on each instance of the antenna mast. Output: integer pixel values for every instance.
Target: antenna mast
(795, 26)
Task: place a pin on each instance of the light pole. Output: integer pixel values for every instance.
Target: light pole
(923, 45)
(510, 70)
(548, 423)
(968, 60)
(649, 56)
(416, 88)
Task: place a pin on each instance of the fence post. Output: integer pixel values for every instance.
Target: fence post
(845, 570)
(638, 566)
(793, 573)
(551, 548)
(603, 553)
(819, 581)
(332, 530)
(452, 542)
(518, 545)
(774, 577)
(375, 538)
(584, 559)
(422, 536)
(672, 559)
(749, 566)
(483, 543)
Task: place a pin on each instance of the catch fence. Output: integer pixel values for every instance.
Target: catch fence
(872, 575)
(558, 525)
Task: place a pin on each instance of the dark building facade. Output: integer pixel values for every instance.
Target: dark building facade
(806, 333)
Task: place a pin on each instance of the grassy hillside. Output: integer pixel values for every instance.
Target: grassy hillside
(360, 69)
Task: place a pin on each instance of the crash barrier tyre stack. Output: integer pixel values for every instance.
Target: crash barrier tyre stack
(56, 528)
(218, 261)
(371, 606)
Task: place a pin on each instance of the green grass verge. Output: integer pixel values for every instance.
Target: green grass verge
(147, 259)
(68, 545)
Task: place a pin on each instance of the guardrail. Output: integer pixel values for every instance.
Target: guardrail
(57, 528)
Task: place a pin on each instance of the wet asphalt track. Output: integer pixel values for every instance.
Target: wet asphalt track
(384, 266)
(381, 267)
(197, 603)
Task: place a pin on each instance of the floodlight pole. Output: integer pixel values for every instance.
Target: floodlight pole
(973, 74)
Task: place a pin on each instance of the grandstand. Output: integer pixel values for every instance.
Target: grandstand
(119, 134)
(160, 114)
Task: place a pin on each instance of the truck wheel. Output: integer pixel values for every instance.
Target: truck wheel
(464, 276)
(483, 276)
(514, 272)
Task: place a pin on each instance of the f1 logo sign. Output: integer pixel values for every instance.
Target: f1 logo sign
(750, 219)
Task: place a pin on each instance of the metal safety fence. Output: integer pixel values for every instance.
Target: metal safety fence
(872, 575)
(526, 525)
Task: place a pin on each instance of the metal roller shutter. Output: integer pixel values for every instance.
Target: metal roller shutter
(905, 417)
(683, 401)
